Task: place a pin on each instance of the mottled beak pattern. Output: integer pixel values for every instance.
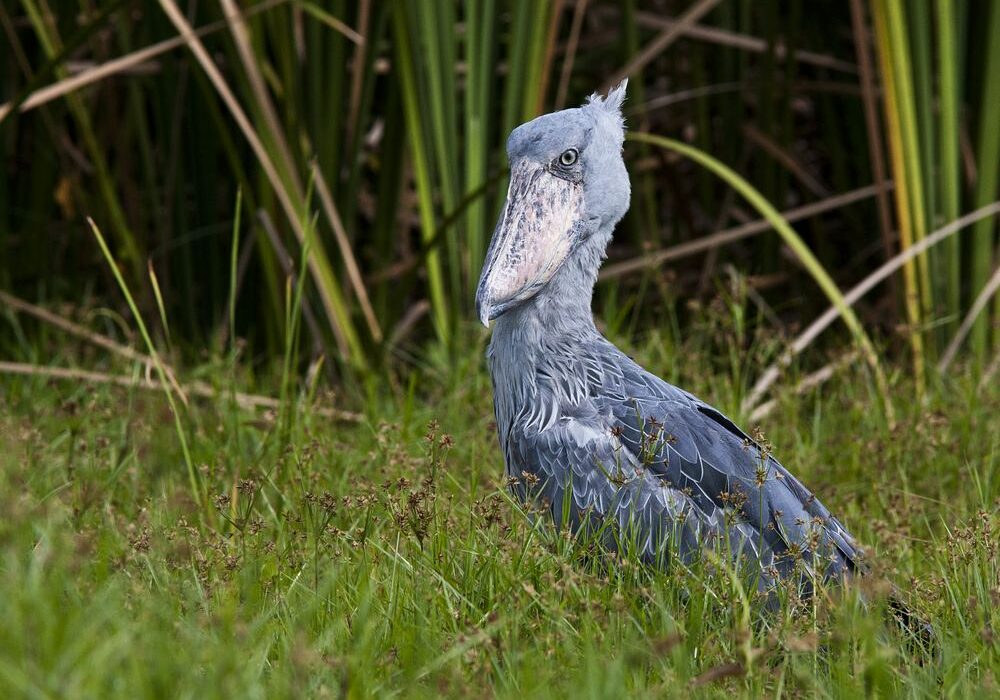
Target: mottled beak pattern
(537, 231)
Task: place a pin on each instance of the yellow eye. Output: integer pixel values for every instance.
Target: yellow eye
(569, 156)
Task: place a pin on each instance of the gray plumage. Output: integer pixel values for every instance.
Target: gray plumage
(587, 432)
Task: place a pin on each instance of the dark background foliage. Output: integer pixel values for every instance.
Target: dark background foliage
(404, 107)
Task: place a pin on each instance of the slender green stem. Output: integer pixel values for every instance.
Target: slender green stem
(988, 165)
(904, 211)
(157, 362)
(792, 240)
(949, 175)
(913, 166)
(422, 172)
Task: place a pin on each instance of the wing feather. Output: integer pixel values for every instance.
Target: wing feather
(700, 450)
(612, 444)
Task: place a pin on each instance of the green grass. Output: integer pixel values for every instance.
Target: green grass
(383, 558)
(158, 544)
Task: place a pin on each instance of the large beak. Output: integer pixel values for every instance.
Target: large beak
(539, 227)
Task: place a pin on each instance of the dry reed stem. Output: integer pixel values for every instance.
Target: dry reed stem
(991, 287)
(682, 96)
(288, 267)
(197, 388)
(119, 65)
(241, 38)
(267, 164)
(667, 37)
(350, 263)
(719, 238)
(786, 159)
(357, 73)
(805, 338)
(744, 42)
(551, 34)
(570, 56)
(869, 100)
(809, 382)
(992, 370)
(408, 322)
(356, 38)
(90, 336)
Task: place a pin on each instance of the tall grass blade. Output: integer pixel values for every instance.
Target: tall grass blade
(984, 242)
(876, 155)
(904, 184)
(803, 339)
(319, 265)
(479, 56)
(234, 253)
(518, 50)
(793, 241)
(157, 362)
(980, 303)
(116, 66)
(158, 295)
(347, 254)
(949, 174)
(533, 84)
(412, 108)
(663, 40)
(905, 103)
(435, 22)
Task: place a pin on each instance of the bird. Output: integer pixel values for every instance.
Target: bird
(590, 437)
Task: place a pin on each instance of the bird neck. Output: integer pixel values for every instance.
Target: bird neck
(552, 330)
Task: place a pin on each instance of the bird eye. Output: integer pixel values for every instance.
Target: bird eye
(569, 156)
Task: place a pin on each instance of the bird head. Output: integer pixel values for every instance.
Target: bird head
(567, 183)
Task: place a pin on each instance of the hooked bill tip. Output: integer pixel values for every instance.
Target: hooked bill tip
(483, 309)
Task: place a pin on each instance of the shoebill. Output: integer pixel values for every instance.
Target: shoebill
(587, 434)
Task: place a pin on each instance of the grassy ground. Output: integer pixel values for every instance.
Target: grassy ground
(383, 558)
